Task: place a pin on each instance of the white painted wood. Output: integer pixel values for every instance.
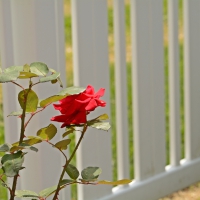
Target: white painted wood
(174, 86)
(7, 57)
(121, 90)
(148, 87)
(90, 46)
(34, 35)
(191, 78)
(160, 185)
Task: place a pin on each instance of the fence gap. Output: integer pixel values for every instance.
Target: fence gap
(181, 60)
(129, 87)
(121, 90)
(112, 87)
(166, 77)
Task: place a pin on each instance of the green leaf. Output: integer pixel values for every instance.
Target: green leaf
(91, 173)
(24, 75)
(105, 126)
(26, 68)
(39, 68)
(31, 141)
(66, 181)
(12, 163)
(68, 132)
(50, 78)
(60, 82)
(9, 76)
(31, 101)
(50, 100)
(54, 81)
(14, 68)
(58, 79)
(5, 147)
(48, 191)
(23, 146)
(63, 144)
(48, 132)
(71, 91)
(72, 171)
(102, 117)
(119, 182)
(15, 113)
(26, 194)
(98, 124)
(87, 180)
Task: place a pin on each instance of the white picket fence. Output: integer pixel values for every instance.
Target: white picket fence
(32, 30)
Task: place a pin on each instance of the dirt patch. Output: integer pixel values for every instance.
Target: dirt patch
(190, 193)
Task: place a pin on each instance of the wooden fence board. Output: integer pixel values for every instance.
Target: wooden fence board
(174, 85)
(148, 87)
(191, 78)
(90, 45)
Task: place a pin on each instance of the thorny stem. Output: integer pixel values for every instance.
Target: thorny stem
(23, 116)
(5, 183)
(17, 84)
(68, 161)
(58, 149)
(35, 83)
(12, 193)
(32, 114)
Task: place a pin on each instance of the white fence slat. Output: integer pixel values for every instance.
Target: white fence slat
(191, 78)
(7, 57)
(35, 36)
(90, 46)
(174, 88)
(121, 90)
(148, 87)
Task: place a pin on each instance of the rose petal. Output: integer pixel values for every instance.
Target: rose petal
(59, 118)
(100, 93)
(91, 105)
(89, 90)
(100, 103)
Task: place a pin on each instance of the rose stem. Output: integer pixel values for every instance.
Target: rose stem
(12, 195)
(68, 161)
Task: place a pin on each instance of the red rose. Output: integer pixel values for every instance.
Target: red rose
(74, 108)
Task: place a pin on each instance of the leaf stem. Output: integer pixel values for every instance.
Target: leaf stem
(68, 161)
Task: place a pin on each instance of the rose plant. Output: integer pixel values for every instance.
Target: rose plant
(75, 104)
